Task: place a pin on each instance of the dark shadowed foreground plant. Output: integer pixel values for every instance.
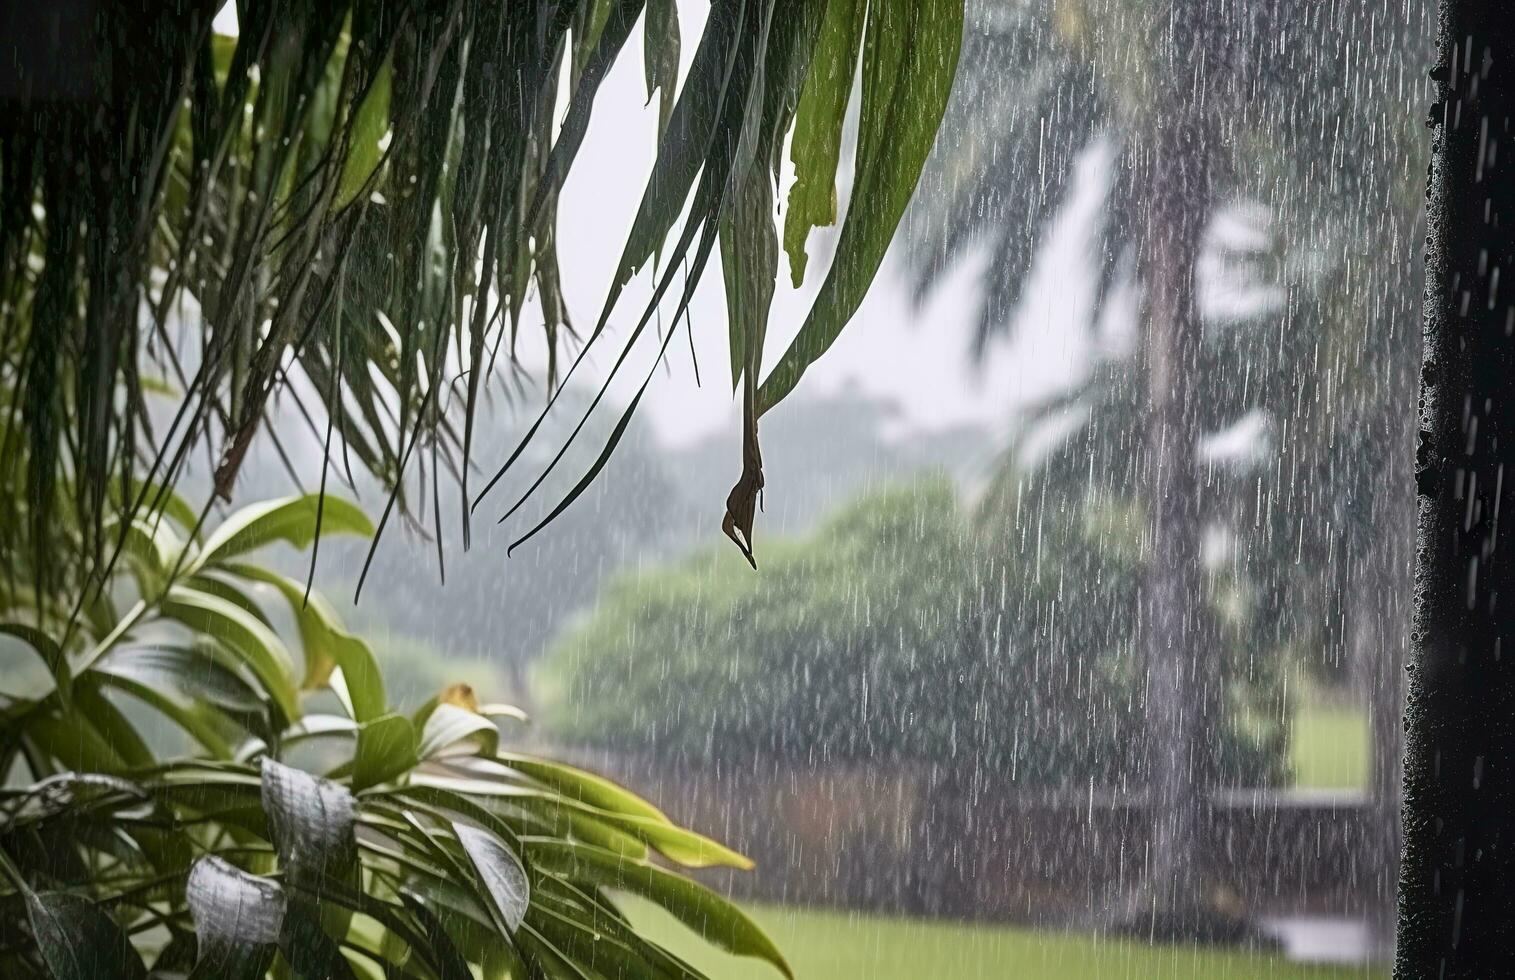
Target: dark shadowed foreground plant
(424, 849)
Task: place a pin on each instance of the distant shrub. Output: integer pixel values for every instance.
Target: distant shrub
(902, 630)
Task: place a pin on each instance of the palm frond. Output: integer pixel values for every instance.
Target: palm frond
(365, 193)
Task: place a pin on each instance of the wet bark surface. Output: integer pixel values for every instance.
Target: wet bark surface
(1457, 886)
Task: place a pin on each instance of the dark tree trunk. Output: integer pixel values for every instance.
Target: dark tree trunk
(1457, 886)
(1176, 634)
(1182, 692)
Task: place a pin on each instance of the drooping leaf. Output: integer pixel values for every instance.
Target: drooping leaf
(327, 645)
(255, 645)
(499, 869)
(584, 786)
(699, 908)
(193, 671)
(238, 920)
(450, 727)
(291, 519)
(312, 821)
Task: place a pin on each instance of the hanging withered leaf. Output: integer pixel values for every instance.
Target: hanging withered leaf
(742, 502)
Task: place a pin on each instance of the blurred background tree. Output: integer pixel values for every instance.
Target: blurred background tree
(901, 633)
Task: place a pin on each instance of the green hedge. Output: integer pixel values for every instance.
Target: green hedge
(907, 628)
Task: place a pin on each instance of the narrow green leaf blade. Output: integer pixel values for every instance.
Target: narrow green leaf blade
(715, 919)
(816, 147)
(500, 869)
(909, 61)
(370, 123)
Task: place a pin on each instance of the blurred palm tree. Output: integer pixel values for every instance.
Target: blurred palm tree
(1196, 115)
(1154, 80)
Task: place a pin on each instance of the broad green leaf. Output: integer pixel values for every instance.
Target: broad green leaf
(386, 748)
(291, 519)
(233, 594)
(46, 648)
(78, 941)
(909, 61)
(327, 646)
(448, 726)
(500, 871)
(238, 920)
(255, 645)
(711, 916)
(198, 672)
(816, 146)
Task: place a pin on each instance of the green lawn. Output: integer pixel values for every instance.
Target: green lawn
(832, 945)
(1330, 746)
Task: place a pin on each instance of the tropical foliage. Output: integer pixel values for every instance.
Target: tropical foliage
(427, 848)
(361, 194)
(905, 629)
